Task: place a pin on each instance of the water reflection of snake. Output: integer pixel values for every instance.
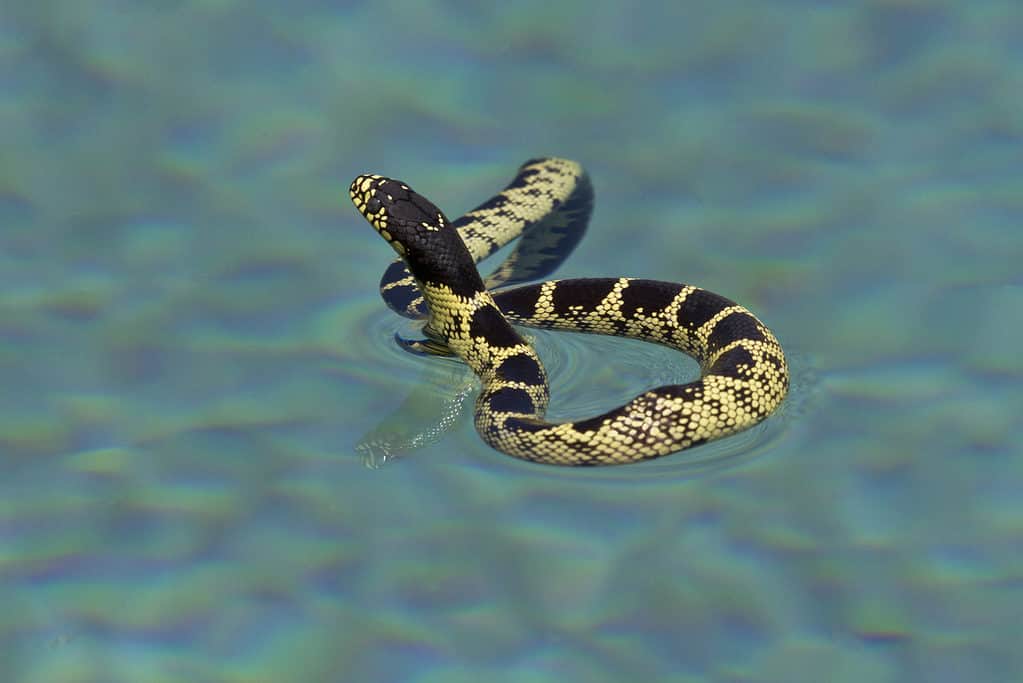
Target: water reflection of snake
(744, 373)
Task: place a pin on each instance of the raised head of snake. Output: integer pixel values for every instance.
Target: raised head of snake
(418, 231)
(462, 313)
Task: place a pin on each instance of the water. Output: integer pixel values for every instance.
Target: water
(191, 344)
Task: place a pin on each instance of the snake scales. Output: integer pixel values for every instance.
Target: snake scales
(744, 376)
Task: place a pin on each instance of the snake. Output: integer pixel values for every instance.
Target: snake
(744, 375)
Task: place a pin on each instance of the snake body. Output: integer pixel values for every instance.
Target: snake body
(744, 376)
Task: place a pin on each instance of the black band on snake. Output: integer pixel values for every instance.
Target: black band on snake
(744, 376)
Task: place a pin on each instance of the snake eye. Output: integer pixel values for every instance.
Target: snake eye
(373, 205)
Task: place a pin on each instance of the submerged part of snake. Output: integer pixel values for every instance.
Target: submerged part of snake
(744, 376)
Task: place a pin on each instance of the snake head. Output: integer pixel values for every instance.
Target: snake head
(396, 212)
(415, 228)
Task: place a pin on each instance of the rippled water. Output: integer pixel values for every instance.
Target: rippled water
(216, 465)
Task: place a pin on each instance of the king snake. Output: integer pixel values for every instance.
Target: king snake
(744, 375)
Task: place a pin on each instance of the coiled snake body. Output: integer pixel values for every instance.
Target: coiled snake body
(744, 376)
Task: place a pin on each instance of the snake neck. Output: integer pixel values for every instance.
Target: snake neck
(473, 327)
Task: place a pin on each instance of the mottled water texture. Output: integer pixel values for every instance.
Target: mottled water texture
(192, 347)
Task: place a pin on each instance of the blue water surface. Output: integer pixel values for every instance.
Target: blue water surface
(215, 464)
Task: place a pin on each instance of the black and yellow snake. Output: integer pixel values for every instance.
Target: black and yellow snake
(744, 376)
